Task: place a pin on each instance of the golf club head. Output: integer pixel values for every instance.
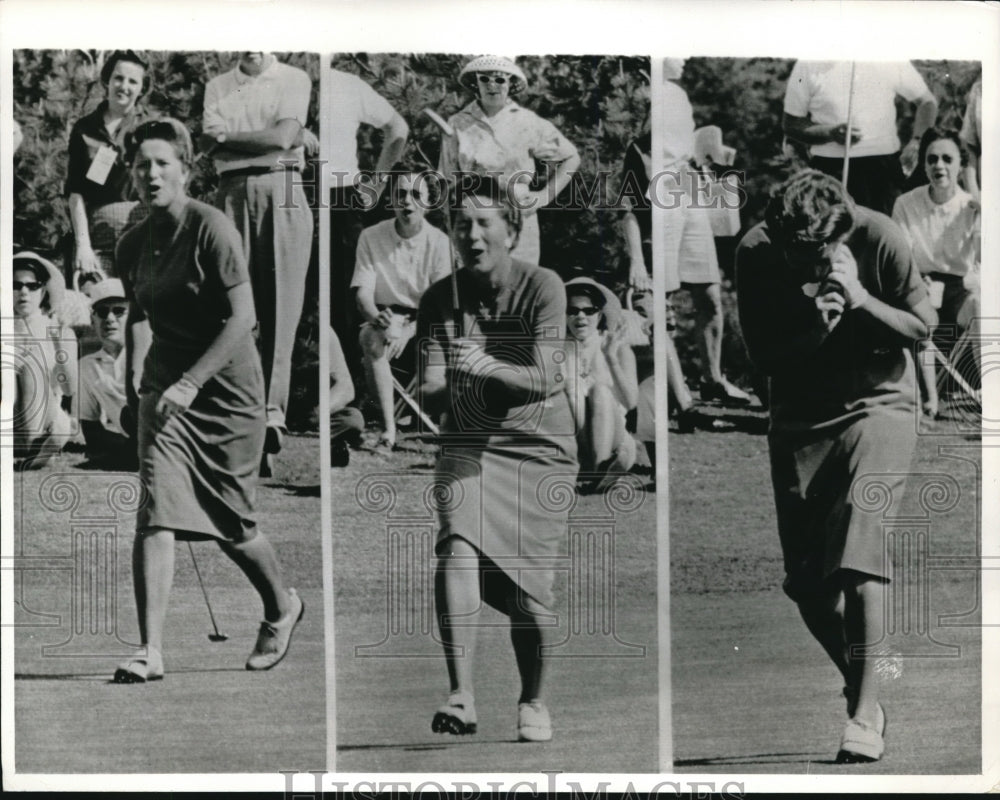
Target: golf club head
(217, 637)
(436, 118)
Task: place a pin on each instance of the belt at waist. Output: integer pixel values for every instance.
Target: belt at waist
(406, 311)
(245, 171)
(946, 277)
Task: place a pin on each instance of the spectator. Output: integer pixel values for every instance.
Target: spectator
(397, 260)
(346, 423)
(254, 120)
(817, 98)
(102, 396)
(972, 137)
(496, 136)
(942, 223)
(45, 359)
(690, 260)
(102, 202)
(601, 383)
(349, 104)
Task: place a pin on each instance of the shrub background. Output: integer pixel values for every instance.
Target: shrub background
(599, 102)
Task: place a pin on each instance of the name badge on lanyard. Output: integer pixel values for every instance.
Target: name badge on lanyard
(101, 166)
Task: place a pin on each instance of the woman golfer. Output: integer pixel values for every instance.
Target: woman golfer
(496, 373)
(201, 397)
(102, 201)
(831, 306)
(495, 136)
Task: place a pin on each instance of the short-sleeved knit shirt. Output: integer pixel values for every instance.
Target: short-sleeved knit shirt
(239, 103)
(179, 280)
(942, 236)
(530, 307)
(349, 102)
(399, 270)
(860, 364)
(820, 90)
(102, 389)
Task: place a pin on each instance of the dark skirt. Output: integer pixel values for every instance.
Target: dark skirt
(200, 468)
(834, 488)
(511, 501)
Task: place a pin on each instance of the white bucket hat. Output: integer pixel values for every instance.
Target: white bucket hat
(467, 77)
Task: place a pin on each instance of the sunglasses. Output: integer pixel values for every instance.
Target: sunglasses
(104, 311)
(933, 159)
(499, 80)
(575, 311)
(31, 286)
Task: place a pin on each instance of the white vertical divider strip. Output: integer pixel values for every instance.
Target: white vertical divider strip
(326, 517)
(662, 448)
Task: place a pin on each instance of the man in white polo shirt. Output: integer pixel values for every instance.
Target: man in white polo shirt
(101, 398)
(397, 260)
(254, 119)
(348, 104)
(817, 98)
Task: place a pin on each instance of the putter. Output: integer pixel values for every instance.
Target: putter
(456, 308)
(850, 111)
(212, 637)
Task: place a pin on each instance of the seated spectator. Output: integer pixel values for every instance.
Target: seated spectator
(45, 363)
(397, 260)
(942, 223)
(102, 381)
(346, 423)
(601, 382)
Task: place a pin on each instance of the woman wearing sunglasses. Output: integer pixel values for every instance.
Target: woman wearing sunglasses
(45, 363)
(201, 397)
(494, 135)
(102, 203)
(601, 383)
(942, 222)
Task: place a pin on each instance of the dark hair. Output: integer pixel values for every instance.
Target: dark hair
(129, 57)
(491, 194)
(809, 208)
(933, 134)
(429, 179)
(167, 129)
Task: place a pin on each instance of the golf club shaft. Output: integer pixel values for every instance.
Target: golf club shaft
(847, 139)
(456, 307)
(201, 583)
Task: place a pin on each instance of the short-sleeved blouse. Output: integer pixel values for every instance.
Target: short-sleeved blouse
(507, 143)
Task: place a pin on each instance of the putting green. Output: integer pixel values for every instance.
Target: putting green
(752, 691)
(601, 686)
(208, 714)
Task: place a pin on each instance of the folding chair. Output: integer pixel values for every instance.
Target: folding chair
(406, 399)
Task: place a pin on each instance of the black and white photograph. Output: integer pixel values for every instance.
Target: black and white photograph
(848, 606)
(165, 397)
(495, 529)
(482, 398)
